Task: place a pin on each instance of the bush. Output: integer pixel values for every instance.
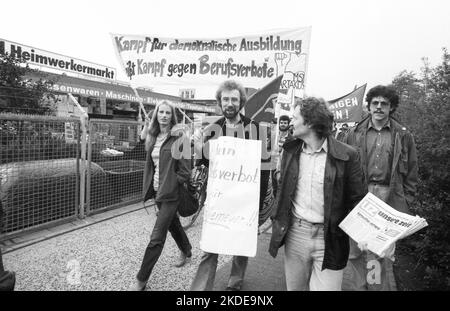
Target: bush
(425, 110)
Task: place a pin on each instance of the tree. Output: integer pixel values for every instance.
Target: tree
(425, 110)
(22, 89)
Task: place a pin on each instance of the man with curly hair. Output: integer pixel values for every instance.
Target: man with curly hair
(389, 159)
(321, 182)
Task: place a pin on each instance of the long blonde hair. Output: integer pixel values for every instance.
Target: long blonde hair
(154, 129)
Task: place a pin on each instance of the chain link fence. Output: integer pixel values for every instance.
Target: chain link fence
(41, 167)
(39, 170)
(43, 160)
(115, 149)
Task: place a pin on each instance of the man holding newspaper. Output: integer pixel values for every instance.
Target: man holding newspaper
(321, 182)
(389, 159)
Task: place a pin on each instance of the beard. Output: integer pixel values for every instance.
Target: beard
(230, 113)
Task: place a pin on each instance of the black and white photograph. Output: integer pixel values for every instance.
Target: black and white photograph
(253, 147)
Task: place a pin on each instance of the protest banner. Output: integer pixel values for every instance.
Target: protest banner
(230, 220)
(254, 60)
(348, 108)
(379, 225)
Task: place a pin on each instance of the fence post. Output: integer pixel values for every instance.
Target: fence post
(89, 161)
(83, 122)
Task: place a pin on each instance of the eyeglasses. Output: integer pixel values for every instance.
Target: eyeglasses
(383, 103)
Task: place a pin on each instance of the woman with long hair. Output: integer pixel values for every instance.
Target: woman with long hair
(165, 171)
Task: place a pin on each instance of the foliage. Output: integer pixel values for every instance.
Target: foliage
(22, 89)
(425, 110)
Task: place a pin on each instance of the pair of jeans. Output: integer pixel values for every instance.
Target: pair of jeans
(303, 259)
(167, 220)
(365, 270)
(206, 272)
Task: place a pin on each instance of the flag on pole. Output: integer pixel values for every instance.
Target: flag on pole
(261, 105)
(348, 108)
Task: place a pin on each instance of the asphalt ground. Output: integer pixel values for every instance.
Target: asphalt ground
(104, 253)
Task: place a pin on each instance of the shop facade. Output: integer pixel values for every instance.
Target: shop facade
(95, 86)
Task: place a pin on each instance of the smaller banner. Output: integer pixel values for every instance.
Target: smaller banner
(348, 108)
(261, 105)
(230, 221)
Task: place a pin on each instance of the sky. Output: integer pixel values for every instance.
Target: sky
(352, 42)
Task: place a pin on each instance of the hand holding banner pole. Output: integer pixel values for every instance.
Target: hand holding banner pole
(141, 105)
(83, 120)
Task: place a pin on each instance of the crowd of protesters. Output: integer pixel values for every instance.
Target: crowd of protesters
(318, 175)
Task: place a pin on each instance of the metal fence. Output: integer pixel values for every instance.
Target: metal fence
(116, 161)
(43, 161)
(39, 170)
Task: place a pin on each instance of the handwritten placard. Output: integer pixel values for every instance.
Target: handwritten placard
(230, 222)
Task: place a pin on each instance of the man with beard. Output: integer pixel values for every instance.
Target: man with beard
(342, 132)
(284, 135)
(284, 131)
(231, 98)
(389, 159)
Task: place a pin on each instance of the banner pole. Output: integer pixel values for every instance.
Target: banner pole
(83, 120)
(185, 115)
(141, 104)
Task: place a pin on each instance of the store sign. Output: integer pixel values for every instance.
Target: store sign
(45, 59)
(129, 97)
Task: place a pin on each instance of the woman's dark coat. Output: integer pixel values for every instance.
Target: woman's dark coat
(174, 168)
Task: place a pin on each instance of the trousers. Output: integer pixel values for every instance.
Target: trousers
(304, 252)
(167, 220)
(206, 272)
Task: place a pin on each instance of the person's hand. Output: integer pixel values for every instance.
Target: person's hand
(363, 246)
(147, 122)
(389, 253)
(277, 176)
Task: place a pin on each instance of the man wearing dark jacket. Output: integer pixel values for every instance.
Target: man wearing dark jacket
(389, 159)
(231, 98)
(321, 181)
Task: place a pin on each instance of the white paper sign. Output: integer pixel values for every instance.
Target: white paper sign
(230, 221)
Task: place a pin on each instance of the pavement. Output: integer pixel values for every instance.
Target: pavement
(104, 251)
(264, 273)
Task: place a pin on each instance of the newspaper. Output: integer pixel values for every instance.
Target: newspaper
(379, 225)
